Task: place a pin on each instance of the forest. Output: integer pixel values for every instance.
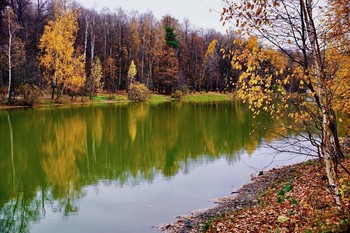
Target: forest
(58, 45)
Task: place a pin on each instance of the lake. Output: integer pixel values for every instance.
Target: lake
(125, 167)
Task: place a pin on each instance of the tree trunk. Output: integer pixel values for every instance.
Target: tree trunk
(53, 92)
(9, 61)
(324, 105)
(86, 38)
(330, 162)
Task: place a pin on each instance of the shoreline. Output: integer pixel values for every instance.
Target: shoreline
(255, 206)
(246, 196)
(46, 102)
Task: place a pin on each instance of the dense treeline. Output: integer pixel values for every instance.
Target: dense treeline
(169, 55)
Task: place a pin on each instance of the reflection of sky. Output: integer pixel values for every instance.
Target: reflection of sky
(136, 208)
(197, 11)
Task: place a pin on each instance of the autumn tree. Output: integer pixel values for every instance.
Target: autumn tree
(210, 64)
(132, 73)
(168, 69)
(110, 74)
(94, 82)
(292, 27)
(337, 53)
(152, 42)
(61, 64)
(14, 44)
(197, 51)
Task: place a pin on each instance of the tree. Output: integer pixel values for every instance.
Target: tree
(110, 74)
(293, 27)
(168, 69)
(94, 82)
(210, 63)
(12, 27)
(58, 59)
(337, 53)
(167, 62)
(132, 73)
(170, 37)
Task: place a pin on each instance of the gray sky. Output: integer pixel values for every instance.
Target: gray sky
(197, 11)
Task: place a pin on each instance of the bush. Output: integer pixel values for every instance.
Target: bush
(30, 93)
(138, 92)
(177, 95)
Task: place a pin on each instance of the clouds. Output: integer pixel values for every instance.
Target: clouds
(201, 13)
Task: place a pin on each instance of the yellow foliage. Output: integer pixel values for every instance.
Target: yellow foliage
(339, 65)
(211, 49)
(62, 69)
(132, 72)
(60, 163)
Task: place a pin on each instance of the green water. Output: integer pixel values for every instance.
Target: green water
(120, 168)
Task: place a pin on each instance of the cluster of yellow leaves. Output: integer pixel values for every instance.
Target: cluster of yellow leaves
(62, 155)
(254, 87)
(339, 66)
(132, 72)
(264, 82)
(62, 67)
(211, 49)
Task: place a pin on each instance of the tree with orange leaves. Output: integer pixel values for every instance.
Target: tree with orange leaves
(293, 27)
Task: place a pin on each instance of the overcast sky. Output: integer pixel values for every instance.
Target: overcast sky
(199, 12)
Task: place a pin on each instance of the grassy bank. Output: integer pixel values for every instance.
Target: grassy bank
(46, 101)
(212, 96)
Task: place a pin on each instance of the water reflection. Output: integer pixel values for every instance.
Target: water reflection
(48, 156)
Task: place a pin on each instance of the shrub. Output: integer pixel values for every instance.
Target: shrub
(177, 95)
(138, 92)
(30, 93)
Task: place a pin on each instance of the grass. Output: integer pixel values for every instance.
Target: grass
(105, 98)
(211, 96)
(155, 98)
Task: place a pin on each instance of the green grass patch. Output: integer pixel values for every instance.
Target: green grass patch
(105, 98)
(155, 98)
(99, 98)
(206, 97)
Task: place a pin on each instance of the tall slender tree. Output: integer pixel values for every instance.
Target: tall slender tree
(12, 27)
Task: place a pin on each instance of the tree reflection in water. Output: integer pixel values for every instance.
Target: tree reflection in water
(49, 155)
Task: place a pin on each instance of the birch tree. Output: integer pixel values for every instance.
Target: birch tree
(293, 27)
(12, 27)
(94, 82)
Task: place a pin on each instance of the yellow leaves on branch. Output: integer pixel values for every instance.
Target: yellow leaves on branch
(264, 77)
(132, 72)
(211, 49)
(62, 67)
(339, 65)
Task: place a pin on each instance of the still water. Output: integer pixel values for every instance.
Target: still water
(124, 168)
